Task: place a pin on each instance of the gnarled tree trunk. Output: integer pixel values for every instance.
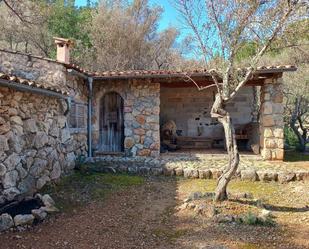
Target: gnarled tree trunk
(224, 118)
(296, 116)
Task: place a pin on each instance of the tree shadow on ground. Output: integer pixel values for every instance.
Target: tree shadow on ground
(271, 207)
(295, 156)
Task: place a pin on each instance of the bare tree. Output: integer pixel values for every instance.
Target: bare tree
(125, 36)
(296, 90)
(220, 28)
(20, 9)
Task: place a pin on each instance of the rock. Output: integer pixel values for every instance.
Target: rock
(178, 171)
(2, 169)
(200, 209)
(40, 140)
(10, 193)
(54, 130)
(183, 206)
(255, 149)
(248, 175)
(132, 170)
(204, 174)
(12, 161)
(139, 131)
(140, 119)
(65, 135)
(4, 128)
(286, 177)
(196, 196)
(128, 142)
(190, 173)
(4, 146)
(61, 120)
(27, 185)
(16, 120)
(265, 214)
(42, 181)
(23, 219)
(70, 161)
(56, 172)
(191, 205)
(16, 143)
(10, 179)
(48, 201)
(143, 170)
(21, 171)
(38, 167)
(50, 210)
(267, 176)
(244, 195)
(213, 211)
(39, 214)
(144, 152)
(30, 126)
(6, 222)
(156, 171)
(224, 218)
(187, 200)
(216, 173)
(168, 172)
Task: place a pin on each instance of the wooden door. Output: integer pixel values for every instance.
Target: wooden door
(112, 123)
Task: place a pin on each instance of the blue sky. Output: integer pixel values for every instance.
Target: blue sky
(169, 17)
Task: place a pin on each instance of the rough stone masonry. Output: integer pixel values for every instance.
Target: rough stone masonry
(36, 146)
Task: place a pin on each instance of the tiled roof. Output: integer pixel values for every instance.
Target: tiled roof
(167, 73)
(14, 79)
(150, 73)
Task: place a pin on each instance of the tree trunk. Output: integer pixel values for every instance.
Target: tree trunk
(224, 118)
(301, 140)
(294, 117)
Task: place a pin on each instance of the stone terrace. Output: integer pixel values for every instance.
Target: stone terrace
(202, 165)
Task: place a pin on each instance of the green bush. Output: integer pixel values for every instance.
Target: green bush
(290, 137)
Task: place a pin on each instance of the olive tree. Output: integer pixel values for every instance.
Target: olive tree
(220, 29)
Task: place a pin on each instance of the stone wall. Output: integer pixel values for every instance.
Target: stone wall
(36, 146)
(32, 68)
(271, 120)
(141, 115)
(190, 109)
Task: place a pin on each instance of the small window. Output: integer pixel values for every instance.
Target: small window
(78, 114)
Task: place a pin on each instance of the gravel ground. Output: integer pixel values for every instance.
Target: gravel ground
(147, 216)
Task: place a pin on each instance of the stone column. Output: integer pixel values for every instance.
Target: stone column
(271, 120)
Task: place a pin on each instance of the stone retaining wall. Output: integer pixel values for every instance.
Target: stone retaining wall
(35, 143)
(36, 146)
(189, 167)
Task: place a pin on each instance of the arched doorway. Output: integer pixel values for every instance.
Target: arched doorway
(111, 123)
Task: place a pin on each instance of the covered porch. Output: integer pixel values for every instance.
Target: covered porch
(131, 108)
(189, 109)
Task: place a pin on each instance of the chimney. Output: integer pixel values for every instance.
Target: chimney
(63, 49)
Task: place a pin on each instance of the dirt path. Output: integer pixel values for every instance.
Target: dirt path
(144, 216)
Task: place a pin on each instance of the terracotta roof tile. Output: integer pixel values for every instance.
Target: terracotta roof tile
(168, 73)
(149, 73)
(12, 78)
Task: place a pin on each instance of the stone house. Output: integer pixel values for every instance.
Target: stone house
(53, 112)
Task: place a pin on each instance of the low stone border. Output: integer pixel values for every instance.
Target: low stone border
(22, 220)
(155, 167)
